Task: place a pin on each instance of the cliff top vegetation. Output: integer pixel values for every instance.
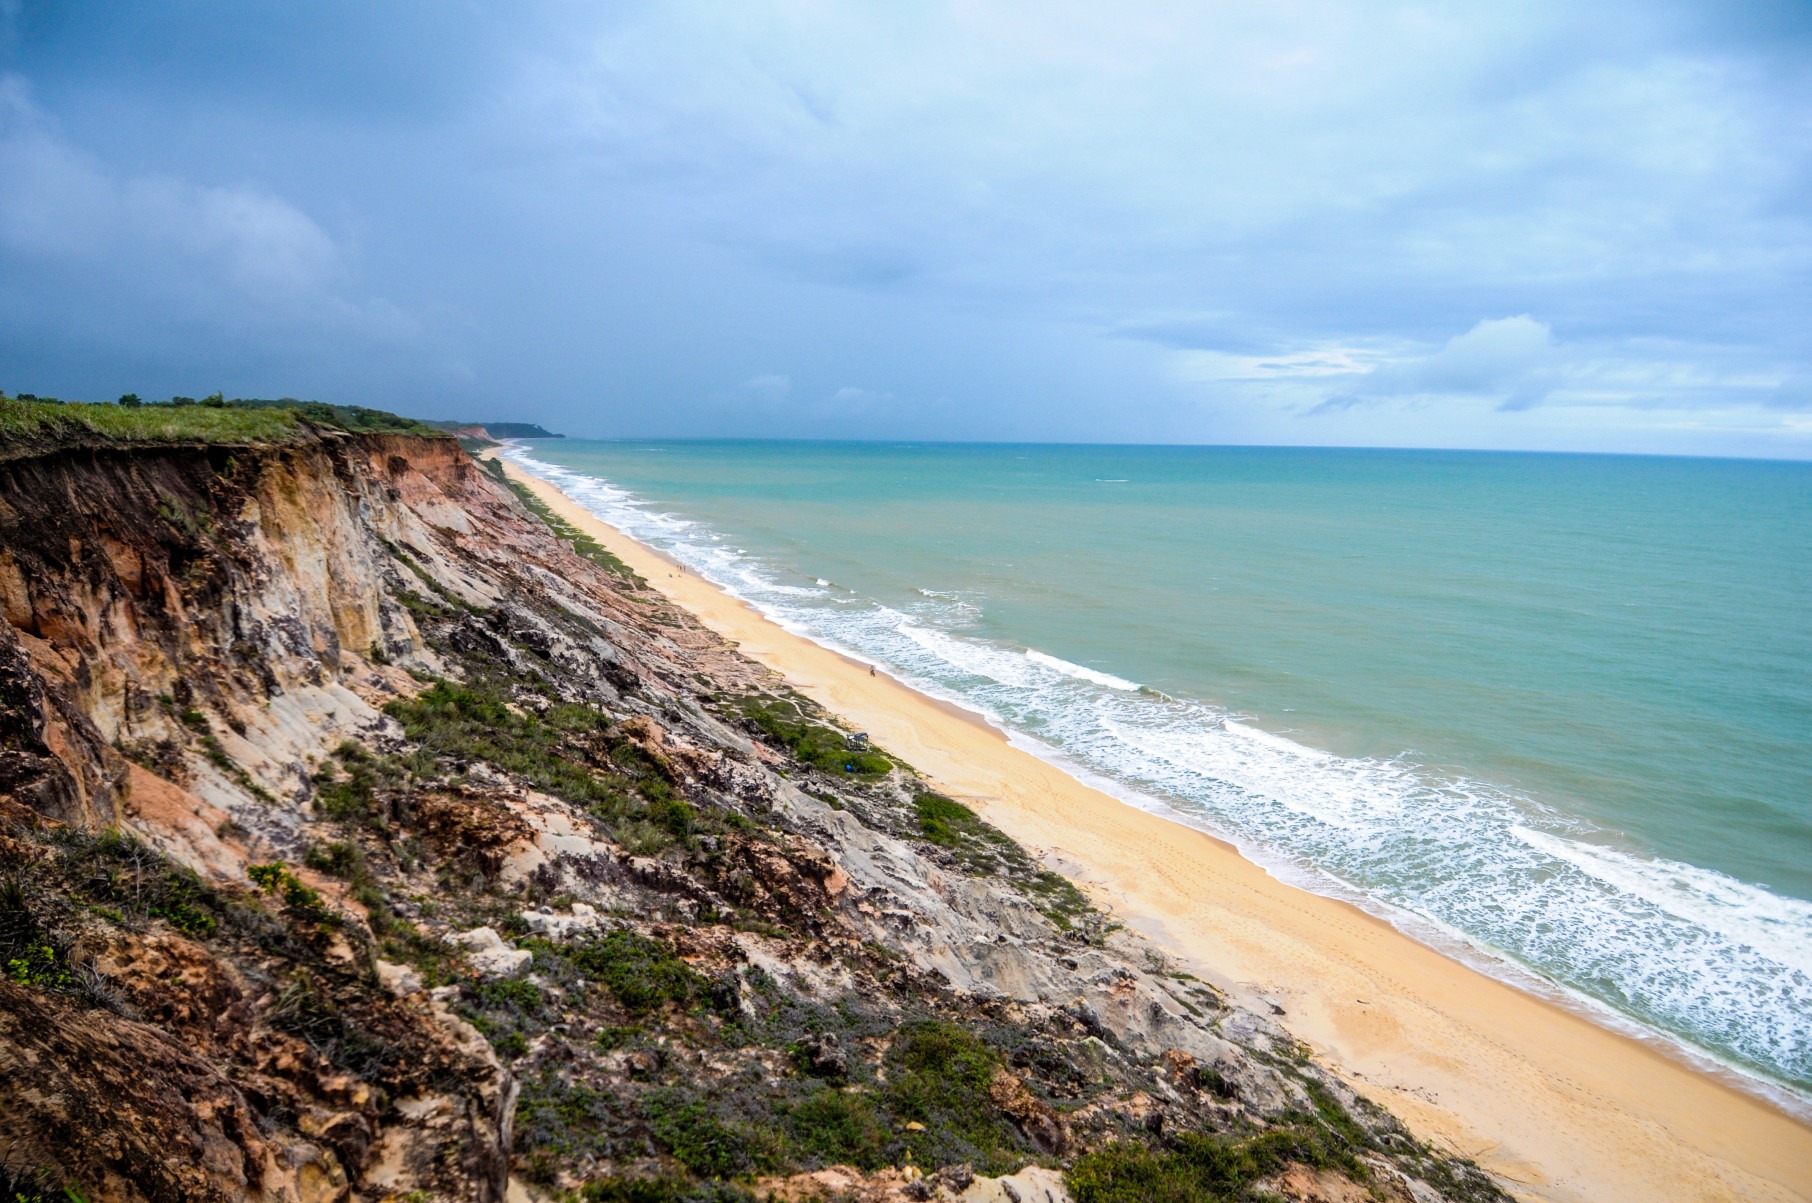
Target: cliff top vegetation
(212, 419)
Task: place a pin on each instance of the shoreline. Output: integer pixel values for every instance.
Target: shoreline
(1558, 1105)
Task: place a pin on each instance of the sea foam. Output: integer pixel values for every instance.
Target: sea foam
(1722, 965)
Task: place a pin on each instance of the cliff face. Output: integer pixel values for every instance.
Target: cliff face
(141, 583)
(365, 840)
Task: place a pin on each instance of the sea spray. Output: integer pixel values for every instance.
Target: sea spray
(1724, 965)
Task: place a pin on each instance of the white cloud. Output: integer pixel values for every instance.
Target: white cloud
(233, 254)
(1509, 360)
(1160, 219)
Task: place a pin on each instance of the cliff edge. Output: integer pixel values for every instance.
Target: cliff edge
(362, 837)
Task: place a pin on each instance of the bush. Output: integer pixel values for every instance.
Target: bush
(662, 1190)
(1199, 1167)
(944, 821)
(355, 797)
(19, 1184)
(279, 882)
(473, 721)
(821, 746)
(712, 1144)
(642, 974)
(558, 1122)
(581, 542)
(122, 871)
(939, 1076)
(834, 1127)
(506, 1012)
(40, 964)
(338, 858)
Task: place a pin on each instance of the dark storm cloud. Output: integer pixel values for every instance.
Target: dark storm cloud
(1553, 225)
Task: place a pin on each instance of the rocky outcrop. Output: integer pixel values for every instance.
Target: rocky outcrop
(366, 839)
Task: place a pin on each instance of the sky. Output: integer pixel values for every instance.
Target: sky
(1535, 224)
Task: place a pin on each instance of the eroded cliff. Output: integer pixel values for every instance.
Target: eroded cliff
(365, 839)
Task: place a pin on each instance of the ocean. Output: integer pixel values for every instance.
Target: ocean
(1551, 711)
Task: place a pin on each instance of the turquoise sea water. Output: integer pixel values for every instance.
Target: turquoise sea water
(1558, 707)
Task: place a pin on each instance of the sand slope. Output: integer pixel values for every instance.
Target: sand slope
(1561, 1107)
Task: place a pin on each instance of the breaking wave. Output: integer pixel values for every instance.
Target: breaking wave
(1721, 965)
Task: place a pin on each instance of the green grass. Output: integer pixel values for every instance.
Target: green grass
(476, 722)
(817, 744)
(1198, 1168)
(231, 422)
(148, 423)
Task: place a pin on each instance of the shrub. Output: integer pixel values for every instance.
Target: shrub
(939, 1076)
(642, 974)
(1196, 1166)
(506, 1011)
(355, 797)
(944, 821)
(559, 1122)
(635, 1190)
(835, 1127)
(821, 746)
(338, 858)
(473, 721)
(21, 1184)
(704, 1137)
(581, 542)
(279, 882)
(40, 964)
(120, 870)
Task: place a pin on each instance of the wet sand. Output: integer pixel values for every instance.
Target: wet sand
(1560, 1107)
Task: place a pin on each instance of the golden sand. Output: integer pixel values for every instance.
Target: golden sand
(1562, 1108)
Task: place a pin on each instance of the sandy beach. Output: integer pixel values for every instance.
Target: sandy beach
(1560, 1107)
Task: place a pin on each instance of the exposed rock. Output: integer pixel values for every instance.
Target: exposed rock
(1300, 1183)
(489, 955)
(400, 980)
(130, 1114)
(359, 664)
(582, 918)
(1034, 1184)
(1040, 1122)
